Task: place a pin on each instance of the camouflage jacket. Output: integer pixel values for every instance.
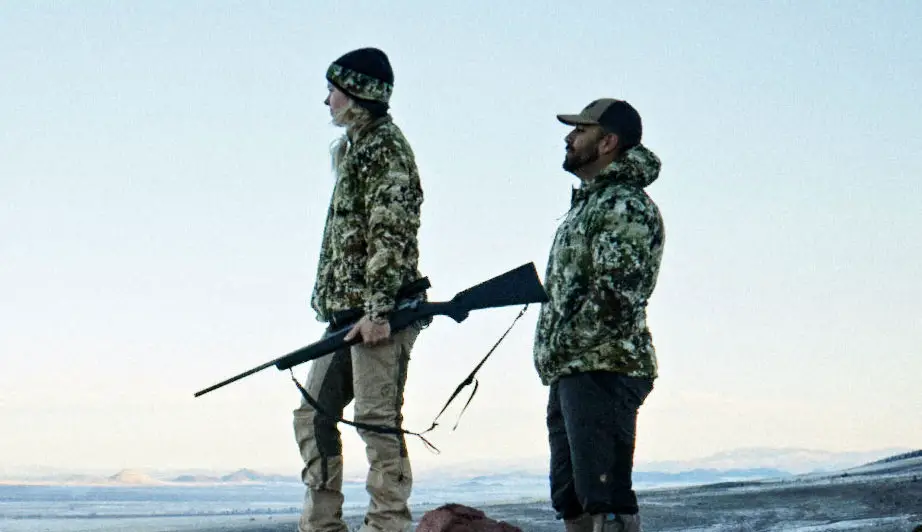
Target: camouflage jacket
(602, 268)
(369, 244)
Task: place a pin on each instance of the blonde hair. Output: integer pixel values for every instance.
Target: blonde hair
(352, 117)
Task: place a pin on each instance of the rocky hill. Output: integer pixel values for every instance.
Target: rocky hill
(134, 477)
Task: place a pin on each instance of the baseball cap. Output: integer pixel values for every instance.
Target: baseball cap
(614, 116)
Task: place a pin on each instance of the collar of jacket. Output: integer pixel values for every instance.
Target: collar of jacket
(638, 167)
(356, 134)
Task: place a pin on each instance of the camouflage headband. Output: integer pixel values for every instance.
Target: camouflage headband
(359, 85)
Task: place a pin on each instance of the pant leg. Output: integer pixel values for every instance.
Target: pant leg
(600, 415)
(563, 491)
(330, 383)
(379, 377)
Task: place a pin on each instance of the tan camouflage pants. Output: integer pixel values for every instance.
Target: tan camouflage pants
(375, 378)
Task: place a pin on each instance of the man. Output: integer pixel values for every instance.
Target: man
(592, 344)
(369, 251)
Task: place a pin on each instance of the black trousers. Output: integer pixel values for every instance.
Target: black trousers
(592, 421)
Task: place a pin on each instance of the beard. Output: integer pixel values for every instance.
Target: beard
(575, 160)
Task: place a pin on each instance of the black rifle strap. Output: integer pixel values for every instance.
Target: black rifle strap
(470, 378)
(381, 429)
(384, 429)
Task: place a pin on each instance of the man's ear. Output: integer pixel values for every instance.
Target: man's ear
(609, 143)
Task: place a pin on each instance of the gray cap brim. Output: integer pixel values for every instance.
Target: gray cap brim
(577, 120)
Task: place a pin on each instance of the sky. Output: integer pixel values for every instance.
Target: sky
(165, 174)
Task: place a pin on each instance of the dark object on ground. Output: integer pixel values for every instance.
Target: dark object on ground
(460, 518)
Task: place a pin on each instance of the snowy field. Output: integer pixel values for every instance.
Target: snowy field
(879, 498)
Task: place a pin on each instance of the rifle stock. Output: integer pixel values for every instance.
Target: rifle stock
(519, 286)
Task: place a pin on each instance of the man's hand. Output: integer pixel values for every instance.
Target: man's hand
(372, 333)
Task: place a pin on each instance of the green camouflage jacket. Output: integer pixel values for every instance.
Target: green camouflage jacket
(602, 268)
(370, 244)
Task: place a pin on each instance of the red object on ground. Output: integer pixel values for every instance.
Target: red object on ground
(460, 518)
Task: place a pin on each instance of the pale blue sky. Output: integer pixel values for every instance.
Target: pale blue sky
(164, 176)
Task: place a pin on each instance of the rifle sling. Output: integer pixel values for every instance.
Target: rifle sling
(381, 429)
(384, 429)
(470, 378)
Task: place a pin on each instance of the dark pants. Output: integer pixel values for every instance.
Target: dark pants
(591, 421)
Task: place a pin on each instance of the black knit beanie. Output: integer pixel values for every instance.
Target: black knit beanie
(366, 76)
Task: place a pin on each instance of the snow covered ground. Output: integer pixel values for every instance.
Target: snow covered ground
(884, 497)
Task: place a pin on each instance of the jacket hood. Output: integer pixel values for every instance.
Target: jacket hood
(638, 166)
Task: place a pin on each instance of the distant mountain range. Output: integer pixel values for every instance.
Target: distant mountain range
(702, 476)
(790, 460)
(641, 478)
(741, 464)
(242, 475)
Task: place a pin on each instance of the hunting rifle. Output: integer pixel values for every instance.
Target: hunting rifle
(519, 286)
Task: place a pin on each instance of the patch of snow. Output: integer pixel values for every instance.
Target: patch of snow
(855, 524)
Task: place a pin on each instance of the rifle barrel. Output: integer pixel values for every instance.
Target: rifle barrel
(235, 378)
(315, 350)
